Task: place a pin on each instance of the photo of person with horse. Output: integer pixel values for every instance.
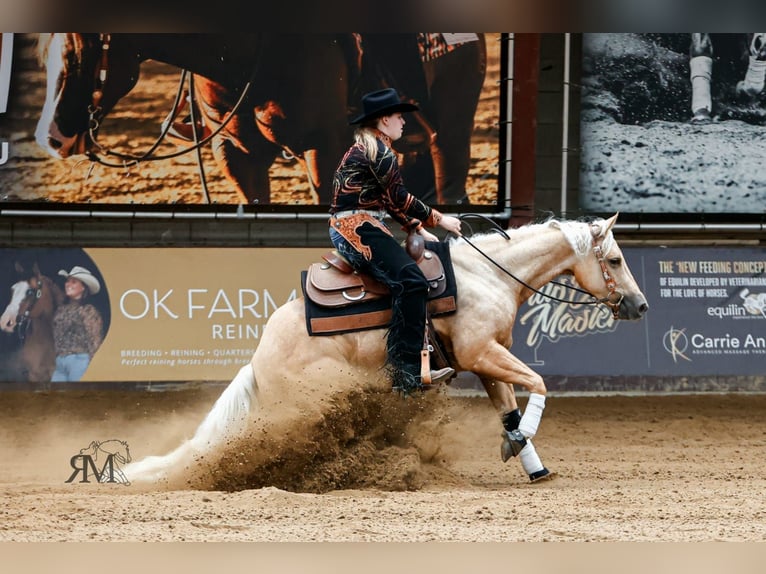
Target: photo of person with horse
(368, 185)
(77, 326)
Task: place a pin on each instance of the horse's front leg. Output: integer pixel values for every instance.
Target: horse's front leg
(498, 370)
(503, 398)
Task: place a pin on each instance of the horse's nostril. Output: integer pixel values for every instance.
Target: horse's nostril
(54, 143)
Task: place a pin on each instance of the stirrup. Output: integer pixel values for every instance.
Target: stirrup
(513, 442)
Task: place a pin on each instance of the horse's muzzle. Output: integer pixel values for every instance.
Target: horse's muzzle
(632, 308)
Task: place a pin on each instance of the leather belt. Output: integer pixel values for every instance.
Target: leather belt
(377, 214)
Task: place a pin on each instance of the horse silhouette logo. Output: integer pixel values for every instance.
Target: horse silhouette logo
(114, 454)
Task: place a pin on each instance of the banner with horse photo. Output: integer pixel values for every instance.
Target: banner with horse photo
(148, 314)
(673, 124)
(254, 122)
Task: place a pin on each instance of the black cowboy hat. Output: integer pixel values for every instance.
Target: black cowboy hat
(382, 103)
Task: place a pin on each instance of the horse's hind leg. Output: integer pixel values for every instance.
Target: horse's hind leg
(243, 155)
(504, 400)
(247, 170)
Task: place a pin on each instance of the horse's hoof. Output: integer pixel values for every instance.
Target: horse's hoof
(541, 475)
(513, 442)
(701, 116)
(748, 92)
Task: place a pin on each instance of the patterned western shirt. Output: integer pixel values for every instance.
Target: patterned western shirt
(77, 329)
(378, 185)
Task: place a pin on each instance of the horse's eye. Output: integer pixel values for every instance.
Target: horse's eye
(615, 261)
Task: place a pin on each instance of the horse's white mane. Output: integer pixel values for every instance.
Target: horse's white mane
(577, 234)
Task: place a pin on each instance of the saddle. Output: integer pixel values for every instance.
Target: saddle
(334, 283)
(340, 299)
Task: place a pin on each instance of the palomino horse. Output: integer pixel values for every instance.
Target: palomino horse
(29, 314)
(287, 103)
(296, 379)
(701, 55)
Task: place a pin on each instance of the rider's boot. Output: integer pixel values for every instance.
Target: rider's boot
(440, 376)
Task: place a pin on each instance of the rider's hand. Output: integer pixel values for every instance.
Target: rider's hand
(427, 235)
(451, 224)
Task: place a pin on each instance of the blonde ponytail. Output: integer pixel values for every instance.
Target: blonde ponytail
(365, 136)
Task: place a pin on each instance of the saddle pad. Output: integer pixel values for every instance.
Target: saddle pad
(375, 313)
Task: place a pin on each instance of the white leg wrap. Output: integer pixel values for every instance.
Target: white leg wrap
(754, 78)
(532, 415)
(530, 462)
(701, 70)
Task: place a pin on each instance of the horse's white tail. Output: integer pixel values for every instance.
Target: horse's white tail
(228, 417)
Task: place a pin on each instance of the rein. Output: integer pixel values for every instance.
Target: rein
(610, 300)
(95, 116)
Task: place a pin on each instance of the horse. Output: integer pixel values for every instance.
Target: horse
(701, 56)
(262, 95)
(294, 381)
(29, 314)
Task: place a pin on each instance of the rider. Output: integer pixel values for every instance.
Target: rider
(367, 186)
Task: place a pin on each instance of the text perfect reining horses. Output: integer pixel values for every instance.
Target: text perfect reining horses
(29, 314)
(296, 378)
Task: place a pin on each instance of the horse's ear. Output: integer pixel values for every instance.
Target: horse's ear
(36, 269)
(601, 228)
(611, 221)
(19, 268)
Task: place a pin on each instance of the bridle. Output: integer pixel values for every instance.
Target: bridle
(95, 116)
(23, 319)
(612, 300)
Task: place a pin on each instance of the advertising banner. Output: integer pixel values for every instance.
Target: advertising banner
(673, 124)
(707, 316)
(169, 121)
(154, 314)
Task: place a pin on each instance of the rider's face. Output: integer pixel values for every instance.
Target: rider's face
(392, 126)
